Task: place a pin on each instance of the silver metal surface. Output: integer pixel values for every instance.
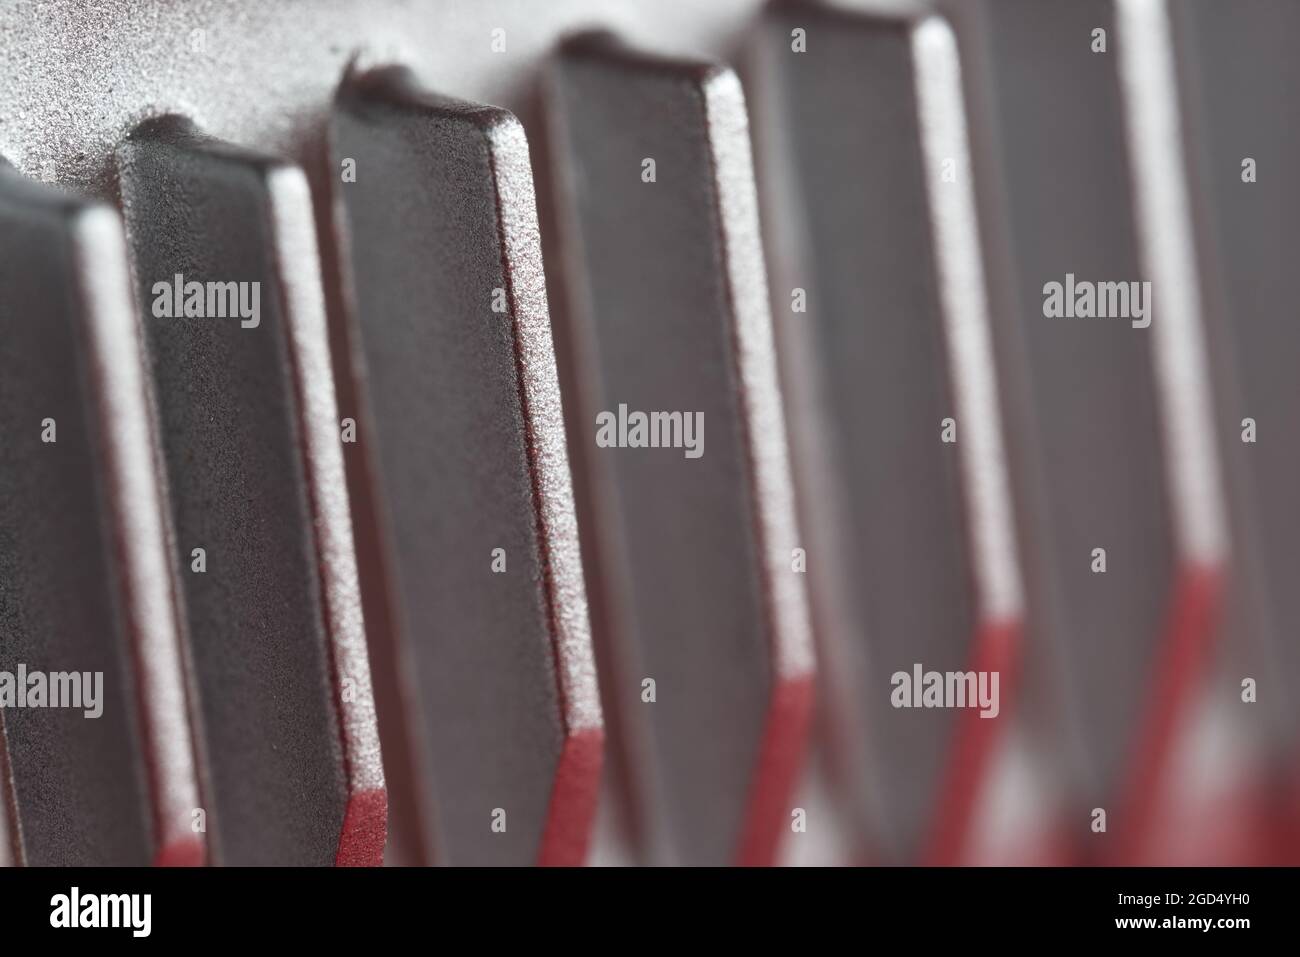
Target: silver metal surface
(1084, 407)
(84, 586)
(665, 310)
(923, 234)
(82, 76)
(255, 478)
(1237, 80)
(854, 140)
(453, 376)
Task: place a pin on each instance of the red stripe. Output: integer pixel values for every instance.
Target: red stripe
(780, 758)
(1178, 668)
(975, 739)
(189, 851)
(573, 800)
(365, 830)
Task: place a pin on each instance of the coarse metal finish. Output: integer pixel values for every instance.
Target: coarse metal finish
(996, 569)
(1168, 243)
(1081, 394)
(905, 570)
(9, 837)
(1238, 79)
(877, 385)
(666, 311)
(133, 489)
(273, 619)
(405, 337)
(82, 76)
(81, 789)
(463, 440)
(294, 236)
